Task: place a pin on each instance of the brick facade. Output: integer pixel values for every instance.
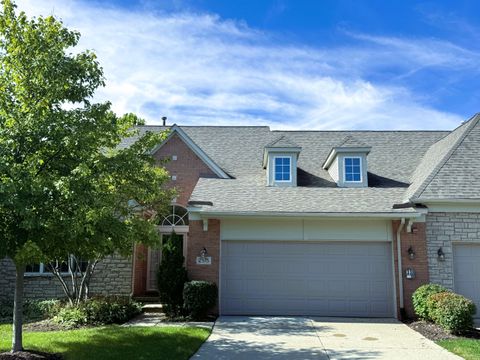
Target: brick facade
(183, 164)
(443, 230)
(418, 241)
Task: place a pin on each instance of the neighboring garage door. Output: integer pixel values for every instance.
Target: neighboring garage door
(292, 278)
(466, 259)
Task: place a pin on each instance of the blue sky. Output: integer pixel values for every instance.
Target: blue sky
(284, 63)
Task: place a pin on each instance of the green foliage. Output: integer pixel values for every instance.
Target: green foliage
(199, 297)
(420, 297)
(133, 118)
(33, 310)
(452, 311)
(99, 311)
(172, 276)
(110, 310)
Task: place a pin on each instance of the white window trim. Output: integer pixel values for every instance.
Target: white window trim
(345, 172)
(43, 272)
(291, 166)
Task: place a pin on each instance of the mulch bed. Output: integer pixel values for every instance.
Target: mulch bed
(29, 355)
(44, 325)
(435, 332)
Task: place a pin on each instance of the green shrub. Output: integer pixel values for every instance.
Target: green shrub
(110, 310)
(199, 297)
(71, 316)
(451, 311)
(33, 310)
(172, 276)
(420, 297)
(99, 311)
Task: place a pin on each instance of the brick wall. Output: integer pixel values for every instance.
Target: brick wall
(443, 229)
(197, 240)
(418, 241)
(113, 276)
(187, 168)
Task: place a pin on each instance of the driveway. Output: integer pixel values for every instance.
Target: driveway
(236, 337)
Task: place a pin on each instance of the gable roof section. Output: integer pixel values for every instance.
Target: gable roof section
(349, 144)
(195, 148)
(451, 167)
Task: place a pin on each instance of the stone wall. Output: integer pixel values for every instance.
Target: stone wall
(113, 276)
(444, 229)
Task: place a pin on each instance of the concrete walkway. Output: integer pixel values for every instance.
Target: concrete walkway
(316, 338)
(159, 319)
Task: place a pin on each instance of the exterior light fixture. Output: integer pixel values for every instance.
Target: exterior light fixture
(411, 253)
(203, 252)
(441, 255)
(410, 274)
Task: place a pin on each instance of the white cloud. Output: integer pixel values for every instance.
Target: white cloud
(199, 69)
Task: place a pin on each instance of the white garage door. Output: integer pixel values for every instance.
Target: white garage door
(467, 272)
(291, 278)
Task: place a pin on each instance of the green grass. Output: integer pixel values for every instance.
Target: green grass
(469, 349)
(113, 342)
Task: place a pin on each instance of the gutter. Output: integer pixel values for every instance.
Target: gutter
(399, 263)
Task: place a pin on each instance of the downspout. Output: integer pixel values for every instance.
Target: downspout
(399, 263)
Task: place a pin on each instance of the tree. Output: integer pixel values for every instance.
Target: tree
(65, 185)
(133, 118)
(172, 275)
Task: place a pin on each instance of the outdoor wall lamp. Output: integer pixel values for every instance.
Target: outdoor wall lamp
(410, 273)
(411, 253)
(441, 255)
(203, 252)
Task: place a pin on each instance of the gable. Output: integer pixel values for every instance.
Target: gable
(459, 175)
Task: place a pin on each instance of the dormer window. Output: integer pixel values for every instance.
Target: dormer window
(347, 163)
(280, 159)
(353, 169)
(283, 168)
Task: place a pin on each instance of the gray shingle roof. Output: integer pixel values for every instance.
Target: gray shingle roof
(397, 160)
(282, 142)
(352, 142)
(451, 167)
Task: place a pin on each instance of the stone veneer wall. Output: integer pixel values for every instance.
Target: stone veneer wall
(113, 276)
(444, 229)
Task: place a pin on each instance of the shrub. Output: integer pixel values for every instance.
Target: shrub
(420, 297)
(33, 310)
(172, 276)
(99, 311)
(110, 310)
(71, 316)
(199, 297)
(451, 311)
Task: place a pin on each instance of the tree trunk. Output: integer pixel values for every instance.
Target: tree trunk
(17, 343)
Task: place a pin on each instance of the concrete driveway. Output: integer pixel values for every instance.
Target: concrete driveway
(236, 337)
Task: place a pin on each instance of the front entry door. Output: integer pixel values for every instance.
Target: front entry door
(154, 259)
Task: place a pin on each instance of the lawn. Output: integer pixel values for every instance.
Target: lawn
(466, 348)
(113, 342)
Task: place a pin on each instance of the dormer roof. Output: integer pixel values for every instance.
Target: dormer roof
(349, 144)
(280, 144)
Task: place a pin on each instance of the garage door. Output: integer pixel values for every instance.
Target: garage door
(467, 272)
(291, 278)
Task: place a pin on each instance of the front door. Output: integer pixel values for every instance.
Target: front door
(154, 259)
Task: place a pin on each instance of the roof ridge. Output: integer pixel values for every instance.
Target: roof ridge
(474, 121)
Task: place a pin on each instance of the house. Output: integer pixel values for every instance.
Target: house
(327, 223)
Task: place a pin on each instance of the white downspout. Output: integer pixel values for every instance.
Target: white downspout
(399, 263)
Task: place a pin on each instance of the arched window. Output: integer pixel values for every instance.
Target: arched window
(178, 216)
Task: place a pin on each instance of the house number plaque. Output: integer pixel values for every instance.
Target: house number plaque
(204, 260)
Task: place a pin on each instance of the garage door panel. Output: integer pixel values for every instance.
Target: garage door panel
(291, 278)
(466, 264)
